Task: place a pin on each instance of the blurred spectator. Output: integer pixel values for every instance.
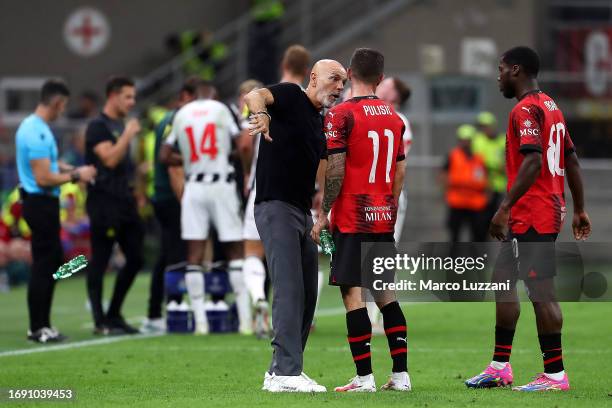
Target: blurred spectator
(492, 147)
(264, 32)
(4, 278)
(12, 219)
(8, 167)
(87, 106)
(204, 55)
(74, 221)
(74, 154)
(19, 261)
(465, 182)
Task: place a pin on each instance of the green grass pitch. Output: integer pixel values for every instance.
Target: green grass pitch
(447, 343)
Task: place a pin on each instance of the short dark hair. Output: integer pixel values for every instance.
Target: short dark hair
(52, 88)
(192, 84)
(114, 84)
(402, 89)
(525, 57)
(296, 59)
(367, 65)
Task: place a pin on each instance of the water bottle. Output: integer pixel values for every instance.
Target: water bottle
(70, 267)
(327, 242)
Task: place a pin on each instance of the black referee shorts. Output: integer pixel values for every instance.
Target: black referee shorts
(350, 267)
(526, 256)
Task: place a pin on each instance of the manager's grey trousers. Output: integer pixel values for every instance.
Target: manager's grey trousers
(293, 263)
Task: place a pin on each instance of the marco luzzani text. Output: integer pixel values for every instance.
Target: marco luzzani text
(411, 264)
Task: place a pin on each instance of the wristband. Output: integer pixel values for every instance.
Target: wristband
(264, 113)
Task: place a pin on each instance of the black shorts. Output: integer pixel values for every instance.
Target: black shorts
(530, 255)
(350, 267)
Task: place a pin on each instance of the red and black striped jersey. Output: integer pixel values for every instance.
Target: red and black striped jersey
(537, 124)
(370, 132)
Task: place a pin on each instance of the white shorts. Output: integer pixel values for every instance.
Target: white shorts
(249, 229)
(205, 203)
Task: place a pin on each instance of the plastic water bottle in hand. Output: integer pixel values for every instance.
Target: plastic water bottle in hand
(327, 242)
(70, 267)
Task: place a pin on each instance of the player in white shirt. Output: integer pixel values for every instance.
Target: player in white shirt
(203, 131)
(395, 92)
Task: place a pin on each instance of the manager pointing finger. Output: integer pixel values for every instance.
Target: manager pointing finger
(290, 119)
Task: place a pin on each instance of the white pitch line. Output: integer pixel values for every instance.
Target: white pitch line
(109, 340)
(334, 311)
(76, 344)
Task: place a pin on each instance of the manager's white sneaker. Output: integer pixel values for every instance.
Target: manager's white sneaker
(266, 383)
(317, 387)
(290, 383)
(398, 382)
(360, 383)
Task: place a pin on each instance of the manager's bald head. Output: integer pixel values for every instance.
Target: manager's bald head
(326, 83)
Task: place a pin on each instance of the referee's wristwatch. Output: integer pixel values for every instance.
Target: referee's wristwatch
(75, 176)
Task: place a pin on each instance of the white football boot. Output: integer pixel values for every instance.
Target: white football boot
(398, 382)
(359, 383)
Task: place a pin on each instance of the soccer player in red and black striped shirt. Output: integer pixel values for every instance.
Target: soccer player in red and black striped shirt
(539, 156)
(365, 173)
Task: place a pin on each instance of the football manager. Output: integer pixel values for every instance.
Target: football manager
(289, 155)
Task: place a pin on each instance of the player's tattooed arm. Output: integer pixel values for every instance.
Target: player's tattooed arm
(334, 177)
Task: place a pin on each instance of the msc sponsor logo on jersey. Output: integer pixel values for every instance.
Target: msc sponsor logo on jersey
(376, 110)
(330, 134)
(528, 131)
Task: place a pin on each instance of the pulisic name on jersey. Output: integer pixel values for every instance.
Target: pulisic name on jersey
(376, 110)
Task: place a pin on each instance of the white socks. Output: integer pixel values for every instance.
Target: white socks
(497, 365)
(194, 281)
(243, 304)
(254, 278)
(320, 278)
(556, 376)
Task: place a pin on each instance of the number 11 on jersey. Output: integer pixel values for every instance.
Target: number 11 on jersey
(373, 135)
